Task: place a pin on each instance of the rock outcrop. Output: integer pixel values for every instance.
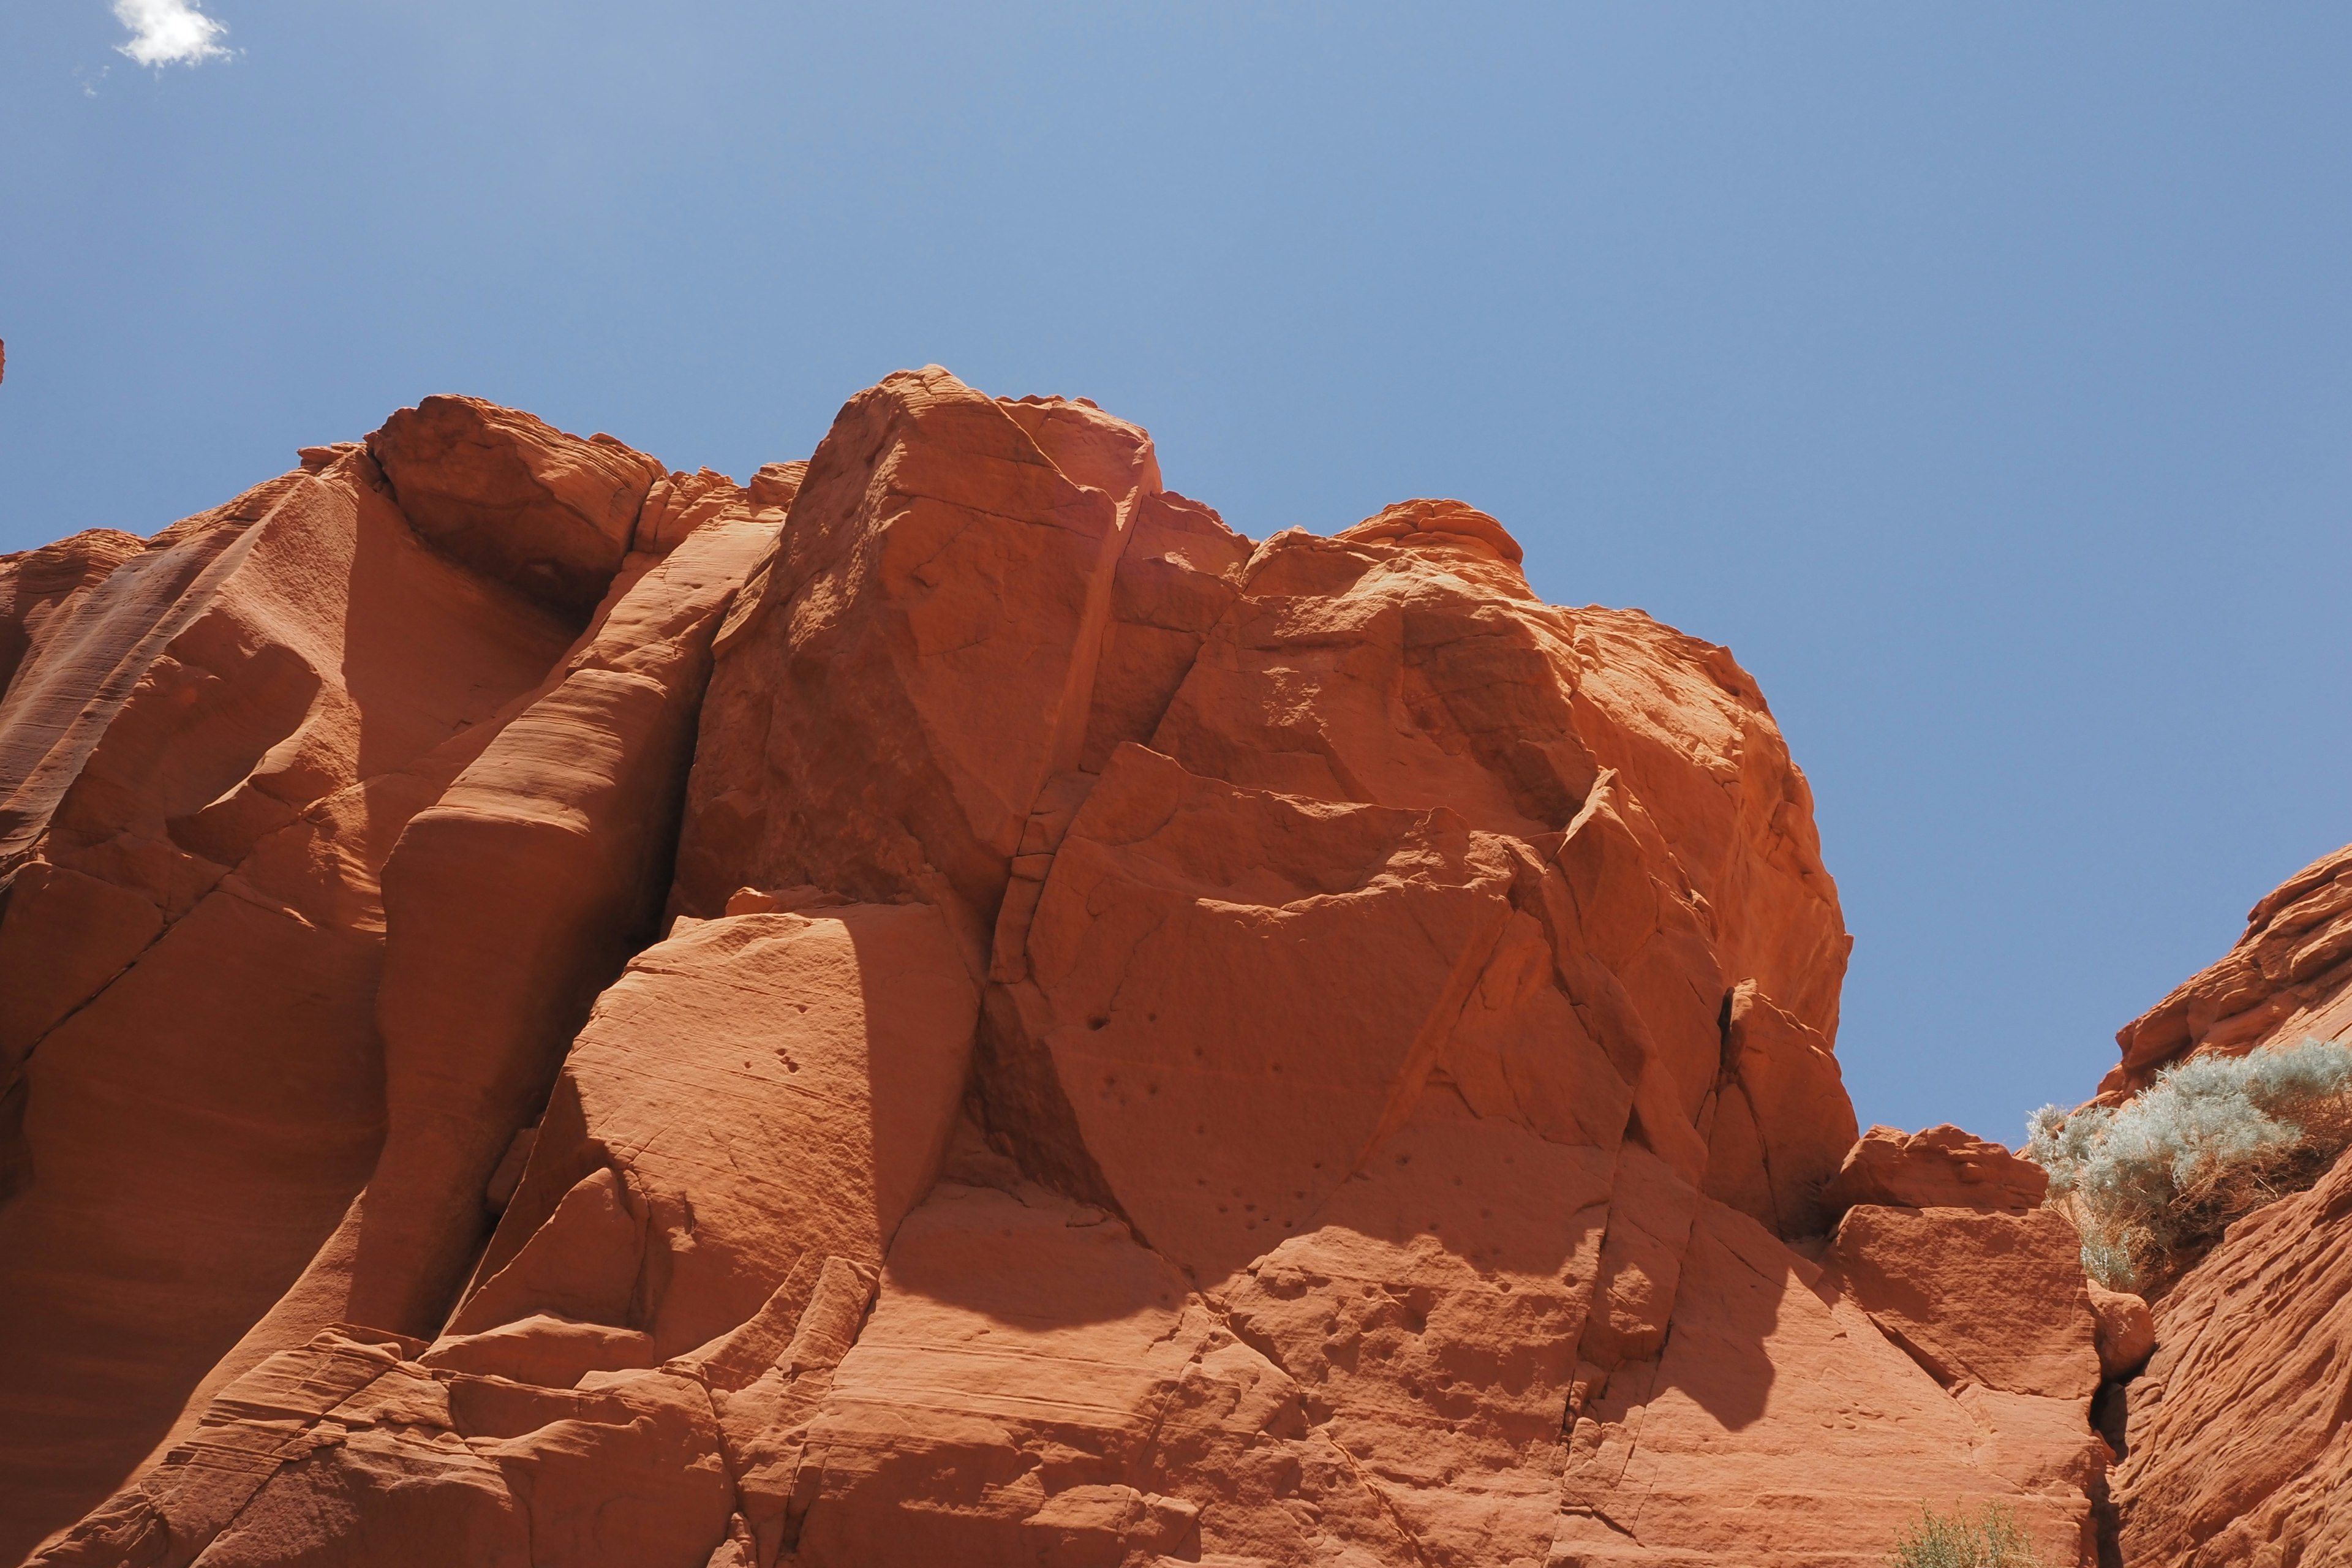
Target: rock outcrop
(2236, 1445)
(2288, 978)
(2234, 1441)
(944, 1007)
(1940, 1168)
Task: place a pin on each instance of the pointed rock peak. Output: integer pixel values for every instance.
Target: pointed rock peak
(548, 514)
(1408, 519)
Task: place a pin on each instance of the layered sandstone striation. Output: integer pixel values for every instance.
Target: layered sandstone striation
(2236, 1449)
(2287, 979)
(945, 1006)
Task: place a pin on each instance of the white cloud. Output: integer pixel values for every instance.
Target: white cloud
(169, 32)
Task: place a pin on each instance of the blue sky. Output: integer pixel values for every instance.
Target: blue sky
(1981, 374)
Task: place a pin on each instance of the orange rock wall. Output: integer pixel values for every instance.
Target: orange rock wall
(2235, 1444)
(2233, 1437)
(942, 1006)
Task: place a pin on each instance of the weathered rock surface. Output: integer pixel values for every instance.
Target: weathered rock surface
(943, 1006)
(41, 586)
(2237, 1446)
(1779, 1424)
(551, 515)
(2233, 1436)
(1940, 1168)
(1941, 1283)
(208, 756)
(2289, 977)
(918, 658)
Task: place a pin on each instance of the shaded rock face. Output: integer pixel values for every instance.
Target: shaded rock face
(943, 1006)
(501, 490)
(318, 844)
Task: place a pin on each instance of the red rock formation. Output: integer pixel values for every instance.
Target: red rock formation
(2237, 1448)
(500, 490)
(1161, 1048)
(210, 1030)
(1938, 1281)
(209, 756)
(2289, 978)
(42, 587)
(2233, 1436)
(2126, 1331)
(1940, 1168)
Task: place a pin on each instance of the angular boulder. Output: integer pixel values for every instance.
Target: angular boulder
(1993, 1298)
(547, 513)
(1942, 1167)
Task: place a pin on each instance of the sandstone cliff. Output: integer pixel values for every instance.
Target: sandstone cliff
(944, 1007)
(2236, 1448)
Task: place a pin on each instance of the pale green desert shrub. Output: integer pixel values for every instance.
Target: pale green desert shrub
(1989, 1537)
(2153, 1182)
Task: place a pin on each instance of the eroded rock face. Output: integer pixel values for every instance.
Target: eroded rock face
(901, 679)
(229, 759)
(2237, 1446)
(970, 1016)
(547, 513)
(211, 755)
(1940, 1168)
(2289, 978)
(2233, 1436)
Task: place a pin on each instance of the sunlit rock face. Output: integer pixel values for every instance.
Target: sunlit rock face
(942, 1007)
(2235, 1447)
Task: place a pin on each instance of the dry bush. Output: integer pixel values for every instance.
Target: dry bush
(1989, 1537)
(2152, 1184)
